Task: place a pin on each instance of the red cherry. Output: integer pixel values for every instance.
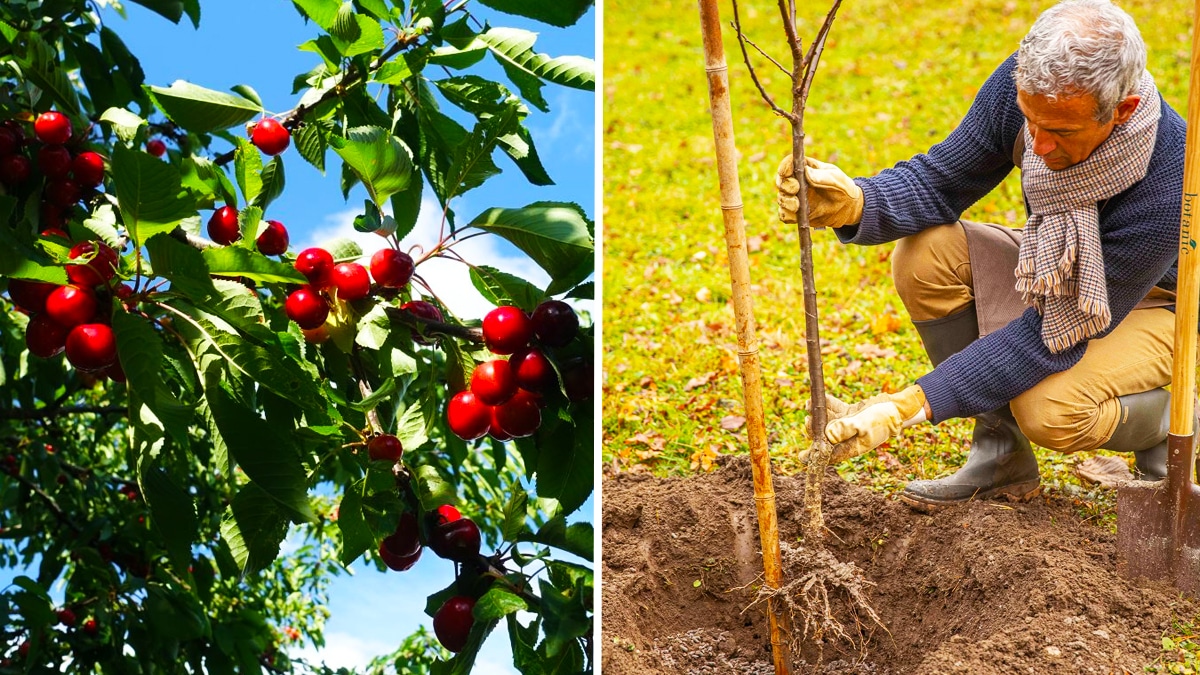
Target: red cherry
(62, 192)
(468, 417)
(496, 431)
(555, 323)
(156, 147)
(446, 513)
(66, 617)
(493, 382)
(578, 378)
(458, 541)
(115, 372)
(91, 347)
(316, 264)
(453, 621)
(15, 169)
(55, 233)
(88, 169)
(270, 136)
(425, 310)
(52, 127)
(520, 416)
(54, 161)
(124, 291)
(396, 562)
(30, 295)
(351, 281)
(273, 240)
(391, 268)
(223, 226)
(69, 306)
(90, 627)
(506, 329)
(96, 271)
(307, 308)
(384, 447)
(533, 370)
(9, 142)
(406, 540)
(44, 338)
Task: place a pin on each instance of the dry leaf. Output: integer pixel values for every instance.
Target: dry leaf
(699, 381)
(873, 351)
(732, 422)
(703, 295)
(674, 299)
(703, 459)
(754, 244)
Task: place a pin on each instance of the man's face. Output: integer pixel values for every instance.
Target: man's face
(1064, 130)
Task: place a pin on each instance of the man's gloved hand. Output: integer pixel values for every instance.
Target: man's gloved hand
(833, 198)
(867, 428)
(835, 408)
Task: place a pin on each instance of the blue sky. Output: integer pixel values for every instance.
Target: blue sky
(254, 43)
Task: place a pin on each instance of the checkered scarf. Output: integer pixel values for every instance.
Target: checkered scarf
(1060, 265)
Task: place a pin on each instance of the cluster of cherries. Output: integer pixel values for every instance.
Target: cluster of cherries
(453, 537)
(503, 397)
(75, 318)
(272, 138)
(68, 174)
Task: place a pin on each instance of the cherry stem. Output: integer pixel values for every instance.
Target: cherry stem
(406, 318)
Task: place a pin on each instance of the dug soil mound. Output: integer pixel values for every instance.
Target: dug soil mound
(987, 587)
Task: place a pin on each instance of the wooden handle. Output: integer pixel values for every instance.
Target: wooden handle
(1187, 307)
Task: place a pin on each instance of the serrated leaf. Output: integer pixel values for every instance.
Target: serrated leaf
(565, 469)
(202, 110)
(273, 182)
(249, 220)
(39, 64)
(150, 194)
(124, 124)
(172, 513)
(561, 13)
(310, 143)
(247, 169)
(16, 266)
(471, 162)
(554, 235)
(140, 351)
(585, 291)
(502, 288)
(577, 538)
(519, 147)
(497, 603)
(513, 47)
(356, 534)
(322, 12)
(268, 457)
(344, 27)
(343, 249)
(253, 527)
(392, 72)
(413, 426)
(102, 222)
(231, 261)
(433, 489)
(183, 265)
(515, 516)
(377, 158)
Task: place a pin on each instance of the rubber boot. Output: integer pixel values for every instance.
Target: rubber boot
(1142, 429)
(1001, 461)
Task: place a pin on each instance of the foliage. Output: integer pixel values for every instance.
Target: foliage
(158, 500)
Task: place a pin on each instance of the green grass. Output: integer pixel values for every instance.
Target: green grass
(896, 77)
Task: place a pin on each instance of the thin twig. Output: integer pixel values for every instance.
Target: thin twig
(411, 320)
(50, 503)
(813, 57)
(737, 25)
(764, 54)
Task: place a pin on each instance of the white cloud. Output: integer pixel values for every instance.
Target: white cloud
(449, 279)
(343, 650)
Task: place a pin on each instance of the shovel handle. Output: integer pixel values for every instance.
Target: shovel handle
(1187, 301)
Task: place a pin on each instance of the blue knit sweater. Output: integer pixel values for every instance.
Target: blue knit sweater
(1139, 233)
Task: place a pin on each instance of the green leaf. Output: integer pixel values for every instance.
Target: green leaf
(561, 13)
(565, 468)
(377, 158)
(125, 124)
(586, 291)
(171, 512)
(554, 235)
(247, 168)
(267, 456)
(344, 27)
(249, 220)
(413, 426)
(272, 183)
(102, 222)
(170, 9)
(577, 538)
(497, 603)
(183, 265)
(248, 93)
(434, 490)
(202, 110)
(175, 614)
(149, 192)
(392, 72)
(322, 12)
(141, 354)
(311, 144)
(231, 261)
(515, 515)
(513, 47)
(471, 163)
(39, 64)
(16, 266)
(501, 288)
(253, 527)
(356, 534)
(519, 147)
(564, 616)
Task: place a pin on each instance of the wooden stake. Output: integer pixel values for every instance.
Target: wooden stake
(743, 310)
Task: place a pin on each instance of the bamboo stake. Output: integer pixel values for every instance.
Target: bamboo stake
(743, 310)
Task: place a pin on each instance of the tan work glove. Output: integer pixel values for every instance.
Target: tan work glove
(866, 429)
(833, 198)
(835, 408)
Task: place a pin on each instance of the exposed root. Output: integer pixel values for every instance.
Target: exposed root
(807, 600)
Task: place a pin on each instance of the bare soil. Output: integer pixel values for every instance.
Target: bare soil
(986, 587)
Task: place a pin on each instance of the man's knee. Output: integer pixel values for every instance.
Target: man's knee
(926, 264)
(1065, 426)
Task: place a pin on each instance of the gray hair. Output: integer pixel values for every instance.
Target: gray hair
(1082, 46)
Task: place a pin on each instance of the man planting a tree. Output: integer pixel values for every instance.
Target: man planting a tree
(1061, 334)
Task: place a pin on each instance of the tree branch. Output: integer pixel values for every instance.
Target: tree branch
(765, 55)
(50, 503)
(737, 25)
(51, 411)
(813, 57)
(411, 320)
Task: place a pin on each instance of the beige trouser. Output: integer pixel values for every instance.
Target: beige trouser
(1069, 411)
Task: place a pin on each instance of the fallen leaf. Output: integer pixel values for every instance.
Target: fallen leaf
(703, 295)
(873, 351)
(674, 299)
(699, 381)
(732, 422)
(754, 244)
